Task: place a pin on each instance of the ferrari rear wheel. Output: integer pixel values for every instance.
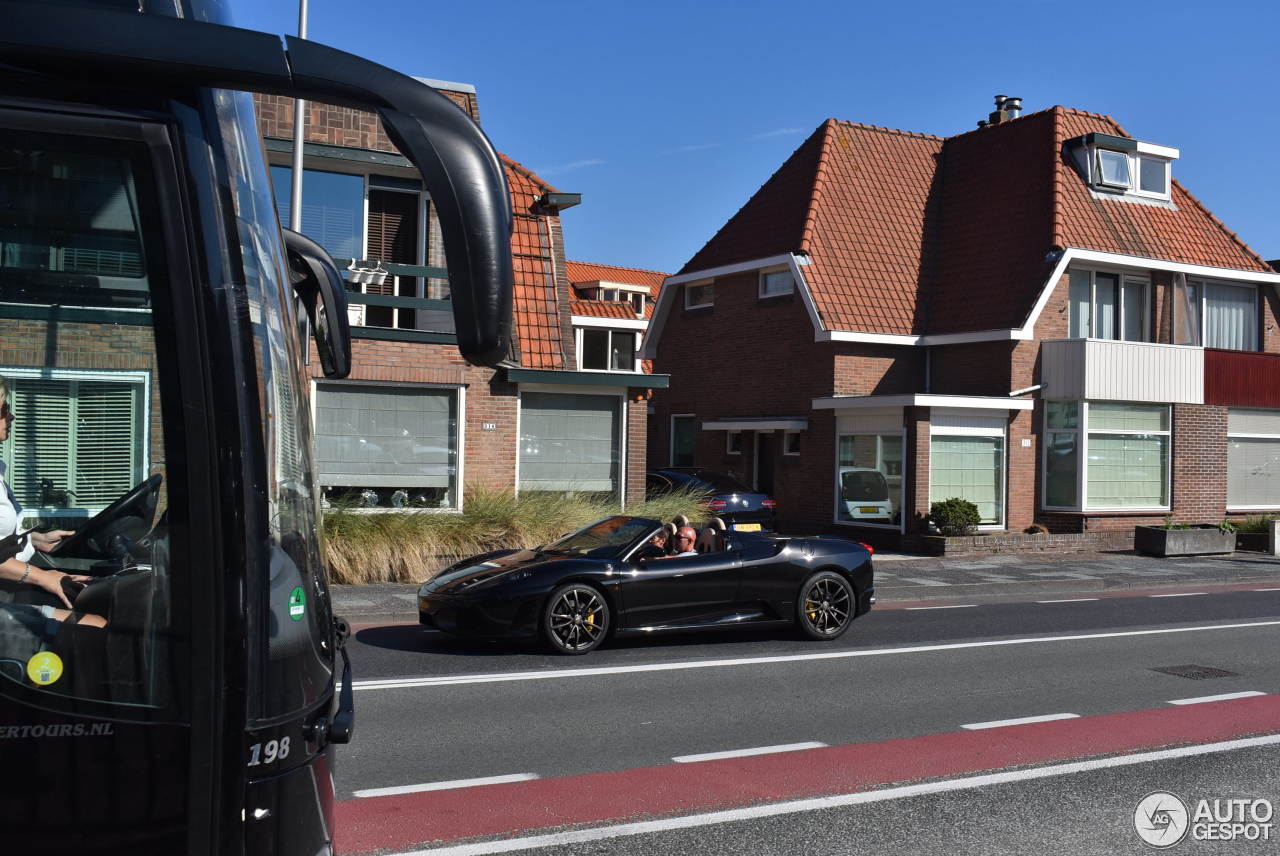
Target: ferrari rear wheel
(826, 605)
(576, 619)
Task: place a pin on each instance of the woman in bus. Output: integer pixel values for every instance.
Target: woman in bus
(17, 572)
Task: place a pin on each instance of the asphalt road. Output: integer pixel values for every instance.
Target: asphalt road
(433, 710)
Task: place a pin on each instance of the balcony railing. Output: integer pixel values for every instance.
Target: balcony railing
(1107, 370)
(1241, 378)
(411, 304)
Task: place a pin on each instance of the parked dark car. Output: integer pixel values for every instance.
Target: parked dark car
(741, 507)
(608, 578)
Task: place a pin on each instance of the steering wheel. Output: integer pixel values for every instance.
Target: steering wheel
(91, 540)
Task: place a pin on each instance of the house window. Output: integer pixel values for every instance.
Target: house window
(1134, 173)
(733, 442)
(637, 300)
(776, 282)
(1225, 315)
(332, 208)
(78, 444)
(869, 479)
(1108, 306)
(1253, 459)
(607, 350)
(387, 446)
(683, 438)
(1119, 459)
(698, 296)
(570, 444)
(972, 468)
(791, 442)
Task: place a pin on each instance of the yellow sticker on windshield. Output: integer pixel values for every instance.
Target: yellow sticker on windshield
(44, 668)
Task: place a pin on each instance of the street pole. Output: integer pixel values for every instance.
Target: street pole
(299, 124)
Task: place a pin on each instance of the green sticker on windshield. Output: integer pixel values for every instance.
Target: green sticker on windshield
(297, 603)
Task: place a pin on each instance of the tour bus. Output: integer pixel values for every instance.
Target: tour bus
(155, 324)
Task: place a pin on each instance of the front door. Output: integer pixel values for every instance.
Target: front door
(764, 463)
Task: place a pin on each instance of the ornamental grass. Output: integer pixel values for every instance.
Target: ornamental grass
(363, 546)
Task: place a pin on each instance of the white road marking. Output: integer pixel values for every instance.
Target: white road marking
(1179, 594)
(445, 786)
(1223, 697)
(949, 606)
(1274, 589)
(502, 677)
(1026, 720)
(602, 833)
(1069, 600)
(743, 753)
(922, 581)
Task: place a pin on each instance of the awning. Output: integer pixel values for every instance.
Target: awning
(920, 399)
(757, 423)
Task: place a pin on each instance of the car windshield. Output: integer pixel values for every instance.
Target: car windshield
(604, 539)
(865, 485)
(720, 483)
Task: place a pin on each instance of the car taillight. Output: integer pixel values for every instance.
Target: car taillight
(769, 503)
(867, 547)
(716, 504)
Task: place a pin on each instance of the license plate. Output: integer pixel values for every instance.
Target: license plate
(747, 527)
(868, 509)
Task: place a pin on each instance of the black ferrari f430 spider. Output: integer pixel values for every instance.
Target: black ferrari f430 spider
(609, 579)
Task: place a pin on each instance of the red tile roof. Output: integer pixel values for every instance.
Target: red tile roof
(911, 234)
(604, 309)
(586, 274)
(535, 296)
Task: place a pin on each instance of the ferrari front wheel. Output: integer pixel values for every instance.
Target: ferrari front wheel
(576, 619)
(825, 609)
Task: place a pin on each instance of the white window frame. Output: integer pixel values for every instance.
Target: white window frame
(901, 434)
(1240, 435)
(461, 391)
(636, 364)
(1122, 278)
(762, 286)
(122, 376)
(671, 444)
(728, 443)
(624, 445)
(1082, 432)
(787, 438)
(1133, 161)
(1202, 298)
(1003, 434)
(688, 292)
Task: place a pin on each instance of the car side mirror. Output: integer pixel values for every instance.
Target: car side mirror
(319, 289)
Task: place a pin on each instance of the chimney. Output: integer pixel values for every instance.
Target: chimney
(1007, 108)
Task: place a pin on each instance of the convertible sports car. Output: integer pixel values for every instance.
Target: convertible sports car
(608, 579)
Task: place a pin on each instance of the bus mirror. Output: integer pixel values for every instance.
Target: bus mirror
(319, 288)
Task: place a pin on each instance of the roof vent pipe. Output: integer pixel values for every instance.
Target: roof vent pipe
(1013, 106)
(1000, 99)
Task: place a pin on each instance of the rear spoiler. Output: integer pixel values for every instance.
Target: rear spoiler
(458, 164)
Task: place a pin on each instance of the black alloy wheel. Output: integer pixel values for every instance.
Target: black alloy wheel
(826, 606)
(576, 619)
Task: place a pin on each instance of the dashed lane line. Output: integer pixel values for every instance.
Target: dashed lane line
(445, 786)
(1025, 720)
(1223, 697)
(745, 753)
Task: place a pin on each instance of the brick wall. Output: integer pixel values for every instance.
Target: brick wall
(331, 125)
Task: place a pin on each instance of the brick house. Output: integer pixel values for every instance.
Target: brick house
(414, 424)
(1034, 315)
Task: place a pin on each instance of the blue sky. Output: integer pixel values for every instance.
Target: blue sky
(667, 116)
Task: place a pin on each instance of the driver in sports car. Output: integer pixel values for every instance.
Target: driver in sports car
(17, 575)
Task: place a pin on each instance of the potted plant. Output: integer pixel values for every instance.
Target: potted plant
(1185, 539)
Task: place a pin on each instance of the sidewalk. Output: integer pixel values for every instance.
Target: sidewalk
(900, 577)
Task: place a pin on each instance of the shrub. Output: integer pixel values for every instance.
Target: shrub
(411, 546)
(954, 516)
(1256, 525)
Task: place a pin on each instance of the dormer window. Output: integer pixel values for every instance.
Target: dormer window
(1123, 166)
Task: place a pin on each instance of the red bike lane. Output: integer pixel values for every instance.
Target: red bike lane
(394, 823)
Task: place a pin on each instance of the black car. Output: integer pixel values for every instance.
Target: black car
(609, 579)
(741, 507)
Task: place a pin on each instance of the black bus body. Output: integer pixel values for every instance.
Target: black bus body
(154, 327)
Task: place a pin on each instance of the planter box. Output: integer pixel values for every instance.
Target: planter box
(1016, 542)
(1196, 541)
(1256, 542)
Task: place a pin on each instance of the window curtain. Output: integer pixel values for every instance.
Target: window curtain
(1230, 317)
(569, 442)
(1253, 472)
(969, 468)
(1081, 301)
(388, 437)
